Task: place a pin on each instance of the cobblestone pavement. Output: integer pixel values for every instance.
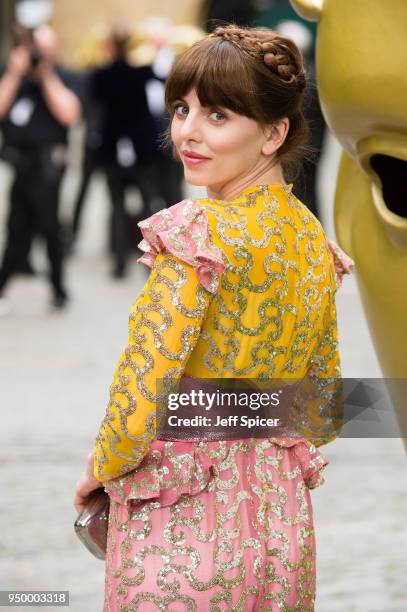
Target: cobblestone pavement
(56, 370)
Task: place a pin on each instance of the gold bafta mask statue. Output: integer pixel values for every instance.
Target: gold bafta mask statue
(361, 53)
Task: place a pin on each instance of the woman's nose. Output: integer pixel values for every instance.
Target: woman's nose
(191, 127)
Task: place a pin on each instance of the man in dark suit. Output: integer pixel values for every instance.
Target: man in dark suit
(129, 136)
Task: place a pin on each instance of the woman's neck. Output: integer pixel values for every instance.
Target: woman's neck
(229, 190)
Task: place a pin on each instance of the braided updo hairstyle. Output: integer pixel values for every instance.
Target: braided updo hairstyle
(254, 72)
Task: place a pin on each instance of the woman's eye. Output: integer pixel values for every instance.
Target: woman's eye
(218, 116)
(178, 109)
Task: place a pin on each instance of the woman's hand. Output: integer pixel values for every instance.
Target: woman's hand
(86, 485)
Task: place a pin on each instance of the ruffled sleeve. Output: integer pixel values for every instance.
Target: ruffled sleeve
(165, 324)
(342, 262)
(183, 230)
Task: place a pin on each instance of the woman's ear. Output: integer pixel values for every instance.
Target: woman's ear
(275, 134)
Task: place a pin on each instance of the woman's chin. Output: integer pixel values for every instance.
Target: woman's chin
(196, 180)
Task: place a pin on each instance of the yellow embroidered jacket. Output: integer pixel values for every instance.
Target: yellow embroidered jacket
(238, 288)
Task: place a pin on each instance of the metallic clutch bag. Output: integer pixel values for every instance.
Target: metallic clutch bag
(92, 523)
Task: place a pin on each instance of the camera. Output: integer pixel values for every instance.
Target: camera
(35, 57)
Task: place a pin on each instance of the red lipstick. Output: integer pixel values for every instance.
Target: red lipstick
(193, 158)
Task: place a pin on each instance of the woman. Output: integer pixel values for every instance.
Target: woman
(242, 286)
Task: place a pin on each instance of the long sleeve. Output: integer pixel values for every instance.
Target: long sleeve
(318, 407)
(164, 326)
(323, 389)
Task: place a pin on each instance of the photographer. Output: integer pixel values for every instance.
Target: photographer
(37, 107)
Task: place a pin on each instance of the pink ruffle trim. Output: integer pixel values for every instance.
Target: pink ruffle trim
(172, 469)
(154, 477)
(343, 263)
(183, 231)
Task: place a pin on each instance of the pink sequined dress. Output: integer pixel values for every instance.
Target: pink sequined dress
(239, 289)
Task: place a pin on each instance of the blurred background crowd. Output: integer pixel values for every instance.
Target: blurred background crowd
(88, 92)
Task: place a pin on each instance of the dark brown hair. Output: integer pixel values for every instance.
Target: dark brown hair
(254, 72)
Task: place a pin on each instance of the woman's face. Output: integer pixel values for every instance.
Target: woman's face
(232, 146)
